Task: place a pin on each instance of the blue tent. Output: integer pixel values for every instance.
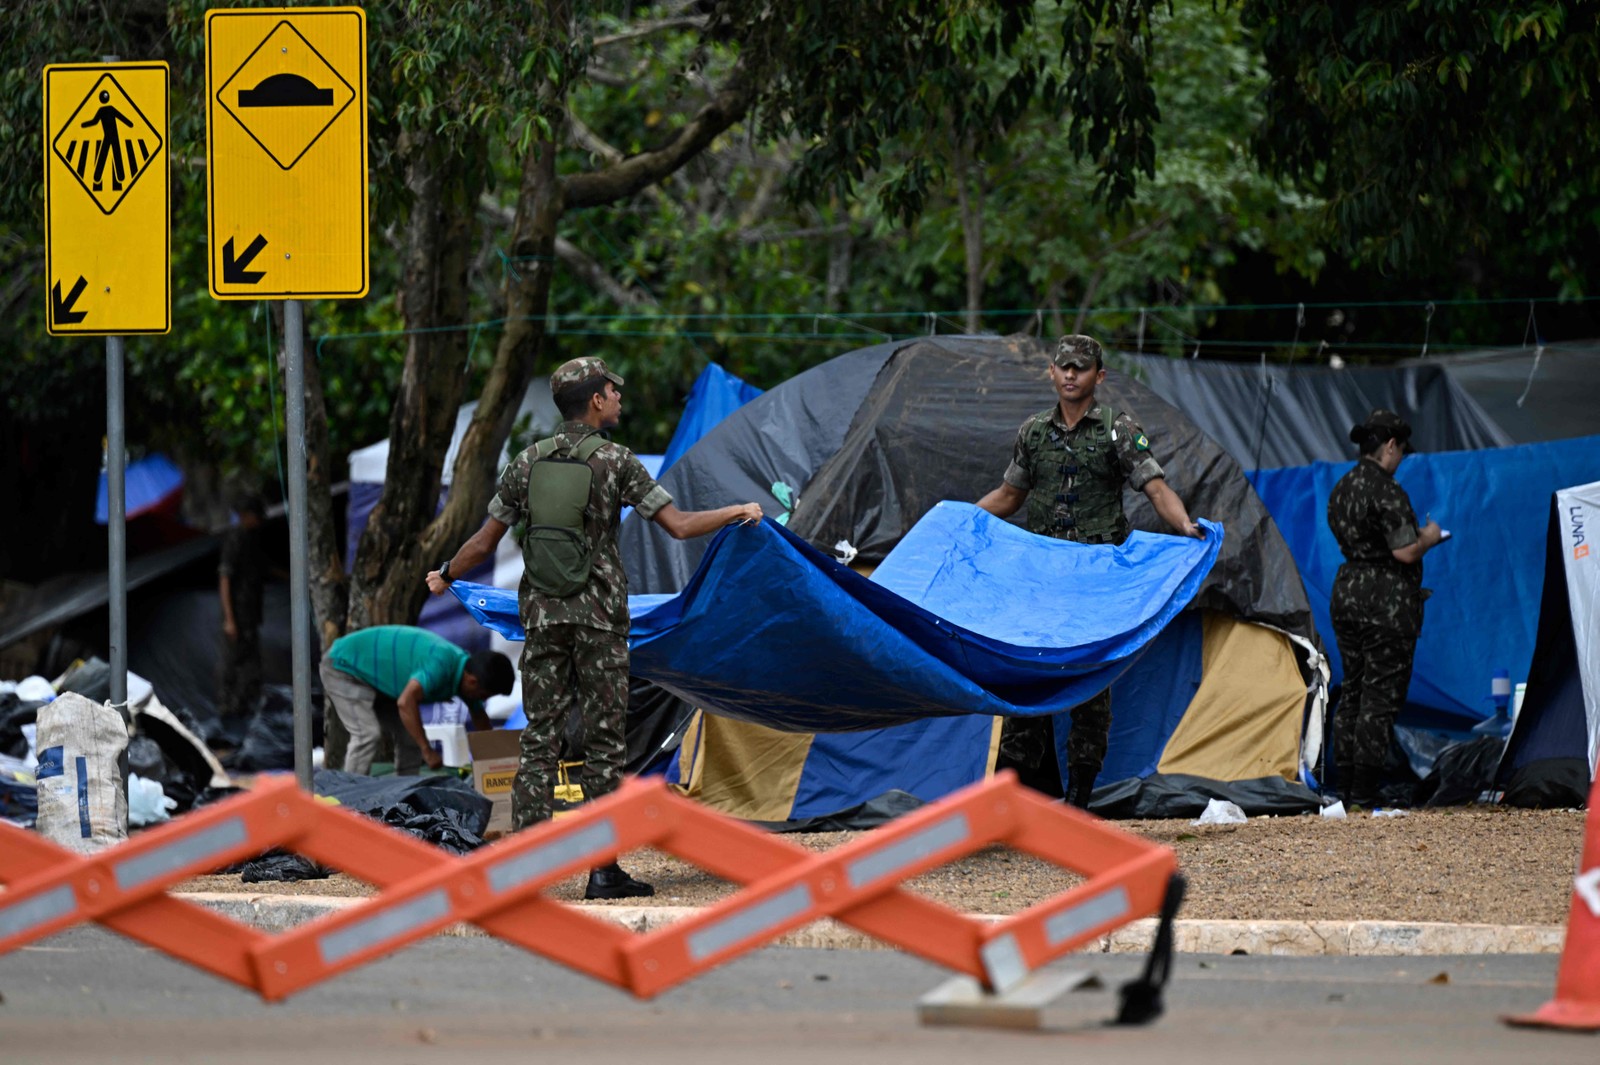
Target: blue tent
(715, 395)
(1486, 580)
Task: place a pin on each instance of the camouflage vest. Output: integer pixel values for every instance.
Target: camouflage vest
(555, 552)
(1077, 488)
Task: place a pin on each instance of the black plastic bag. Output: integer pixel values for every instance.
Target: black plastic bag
(1462, 772)
(375, 796)
(269, 739)
(446, 828)
(279, 866)
(19, 802)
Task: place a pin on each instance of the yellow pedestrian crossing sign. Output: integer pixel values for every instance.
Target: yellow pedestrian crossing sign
(286, 152)
(107, 199)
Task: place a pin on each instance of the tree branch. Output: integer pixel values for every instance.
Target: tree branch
(727, 106)
(645, 29)
(591, 271)
(590, 141)
(767, 236)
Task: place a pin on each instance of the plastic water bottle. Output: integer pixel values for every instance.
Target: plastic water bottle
(1500, 695)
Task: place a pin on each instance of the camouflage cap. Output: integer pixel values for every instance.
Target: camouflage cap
(1077, 351)
(577, 371)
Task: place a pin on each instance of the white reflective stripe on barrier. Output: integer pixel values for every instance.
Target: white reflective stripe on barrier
(1003, 961)
(896, 856)
(531, 864)
(749, 923)
(382, 927)
(1587, 888)
(1060, 927)
(187, 850)
(54, 904)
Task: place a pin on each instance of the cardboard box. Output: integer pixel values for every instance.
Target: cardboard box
(494, 767)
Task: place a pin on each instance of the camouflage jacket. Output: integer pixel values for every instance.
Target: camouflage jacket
(1371, 517)
(1074, 477)
(244, 563)
(619, 481)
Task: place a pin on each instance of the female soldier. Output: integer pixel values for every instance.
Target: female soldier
(1377, 599)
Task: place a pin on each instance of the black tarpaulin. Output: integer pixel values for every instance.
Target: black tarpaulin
(1274, 415)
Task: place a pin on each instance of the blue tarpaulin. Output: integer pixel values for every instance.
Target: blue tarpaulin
(968, 615)
(716, 393)
(1485, 580)
(146, 483)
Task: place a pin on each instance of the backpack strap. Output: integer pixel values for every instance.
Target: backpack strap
(584, 450)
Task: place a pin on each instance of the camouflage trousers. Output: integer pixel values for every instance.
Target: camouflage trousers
(1026, 741)
(241, 674)
(1091, 727)
(1377, 673)
(563, 666)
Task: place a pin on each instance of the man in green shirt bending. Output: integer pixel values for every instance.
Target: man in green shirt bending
(378, 679)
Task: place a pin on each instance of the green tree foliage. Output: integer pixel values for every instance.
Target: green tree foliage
(1431, 126)
(1045, 236)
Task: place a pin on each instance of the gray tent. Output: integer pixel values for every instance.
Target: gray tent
(1269, 416)
(1550, 392)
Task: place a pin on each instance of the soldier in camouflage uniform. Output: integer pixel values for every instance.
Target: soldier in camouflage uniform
(1377, 599)
(576, 647)
(1068, 465)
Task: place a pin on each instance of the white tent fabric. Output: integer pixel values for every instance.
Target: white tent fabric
(1578, 509)
(368, 464)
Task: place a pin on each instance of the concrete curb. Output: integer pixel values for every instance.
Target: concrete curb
(275, 913)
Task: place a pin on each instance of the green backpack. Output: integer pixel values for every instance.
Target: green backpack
(555, 551)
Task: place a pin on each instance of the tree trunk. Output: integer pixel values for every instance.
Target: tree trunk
(386, 585)
(441, 234)
(541, 200)
(532, 249)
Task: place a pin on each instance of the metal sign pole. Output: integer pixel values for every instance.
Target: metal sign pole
(299, 542)
(117, 512)
(116, 523)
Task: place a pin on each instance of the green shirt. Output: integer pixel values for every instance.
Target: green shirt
(387, 657)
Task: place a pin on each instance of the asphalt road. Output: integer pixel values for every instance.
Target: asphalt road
(91, 996)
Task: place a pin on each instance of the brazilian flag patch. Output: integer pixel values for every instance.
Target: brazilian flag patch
(1142, 442)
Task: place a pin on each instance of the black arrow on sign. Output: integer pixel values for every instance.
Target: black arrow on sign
(61, 311)
(233, 270)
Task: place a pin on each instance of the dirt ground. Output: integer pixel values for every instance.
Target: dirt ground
(1470, 865)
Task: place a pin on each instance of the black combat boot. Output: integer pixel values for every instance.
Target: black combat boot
(610, 882)
(1081, 784)
(1363, 789)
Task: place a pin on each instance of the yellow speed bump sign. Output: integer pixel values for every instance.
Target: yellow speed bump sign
(107, 199)
(286, 152)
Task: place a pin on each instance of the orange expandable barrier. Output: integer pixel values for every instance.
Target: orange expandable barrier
(500, 887)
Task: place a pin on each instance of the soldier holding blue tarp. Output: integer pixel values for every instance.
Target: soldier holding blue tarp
(1068, 465)
(566, 493)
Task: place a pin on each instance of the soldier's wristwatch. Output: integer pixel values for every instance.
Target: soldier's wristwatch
(444, 572)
